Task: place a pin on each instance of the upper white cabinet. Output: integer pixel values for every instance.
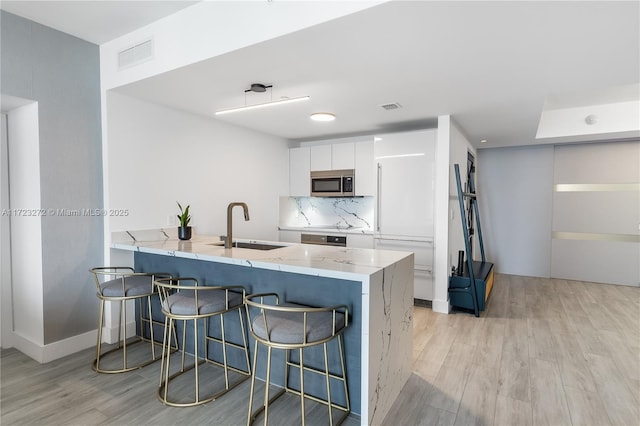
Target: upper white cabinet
(321, 157)
(365, 178)
(405, 183)
(337, 156)
(356, 154)
(343, 156)
(299, 172)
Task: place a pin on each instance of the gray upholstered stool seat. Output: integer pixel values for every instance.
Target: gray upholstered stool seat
(183, 299)
(292, 326)
(286, 326)
(121, 284)
(209, 302)
(134, 285)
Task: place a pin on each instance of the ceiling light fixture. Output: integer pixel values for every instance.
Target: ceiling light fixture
(261, 88)
(591, 119)
(266, 104)
(322, 116)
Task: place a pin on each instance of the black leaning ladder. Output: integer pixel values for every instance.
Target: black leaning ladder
(467, 229)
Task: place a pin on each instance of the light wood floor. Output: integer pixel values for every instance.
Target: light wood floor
(545, 352)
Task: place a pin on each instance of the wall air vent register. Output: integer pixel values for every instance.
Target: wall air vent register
(136, 54)
(391, 106)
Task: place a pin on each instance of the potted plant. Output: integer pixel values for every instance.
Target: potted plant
(184, 230)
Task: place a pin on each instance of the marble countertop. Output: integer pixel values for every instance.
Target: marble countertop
(308, 259)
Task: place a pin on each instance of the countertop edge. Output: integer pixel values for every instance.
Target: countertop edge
(275, 263)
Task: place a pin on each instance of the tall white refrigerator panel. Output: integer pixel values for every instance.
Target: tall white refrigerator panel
(404, 207)
(405, 166)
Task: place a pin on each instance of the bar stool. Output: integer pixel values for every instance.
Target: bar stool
(119, 284)
(183, 299)
(291, 326)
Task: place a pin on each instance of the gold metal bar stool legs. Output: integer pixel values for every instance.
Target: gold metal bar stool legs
(290, 327)
(183, 299)
(119, 285)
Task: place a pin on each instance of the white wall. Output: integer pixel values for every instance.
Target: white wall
(158, 155)
(460, 147)
(26, 229)
(6, 311)
(514, 187)
(440, 302)
(451, 148)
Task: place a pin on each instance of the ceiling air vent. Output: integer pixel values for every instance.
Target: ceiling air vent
(135, 55)
(394, 105)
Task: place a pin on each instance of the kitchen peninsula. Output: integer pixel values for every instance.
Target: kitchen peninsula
(377, 285)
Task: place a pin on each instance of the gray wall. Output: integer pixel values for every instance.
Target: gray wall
(62, 73)
(514, 187)
(587, 234)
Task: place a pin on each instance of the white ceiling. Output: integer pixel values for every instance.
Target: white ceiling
(95, 21)
(491, 65)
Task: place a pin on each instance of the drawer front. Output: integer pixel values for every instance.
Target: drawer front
(423, 251)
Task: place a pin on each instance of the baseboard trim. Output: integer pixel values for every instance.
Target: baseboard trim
(441, 306)
(55, 350)
(110, 334)
(71, 345)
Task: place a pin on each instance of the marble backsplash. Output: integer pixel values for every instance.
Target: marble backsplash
(339, 212)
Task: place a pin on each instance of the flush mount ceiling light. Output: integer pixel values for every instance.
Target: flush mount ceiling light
(261, 88)
(591, 119)
(322, 116)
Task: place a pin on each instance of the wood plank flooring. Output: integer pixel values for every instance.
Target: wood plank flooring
(545, 352)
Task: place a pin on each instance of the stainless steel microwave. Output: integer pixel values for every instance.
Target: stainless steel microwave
(332, 183)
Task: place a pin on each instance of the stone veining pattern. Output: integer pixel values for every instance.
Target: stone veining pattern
(391, 309)
(351, 213)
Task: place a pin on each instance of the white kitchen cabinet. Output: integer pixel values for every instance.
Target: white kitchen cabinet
(360, 241)
(405, 183)
(299, 172)
(423, 262)
(342, 156)
(289, 236)
(365, 178)
(404, 203)
(333, 156)
(320, 157)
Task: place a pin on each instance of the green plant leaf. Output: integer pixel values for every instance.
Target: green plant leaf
(184, 216)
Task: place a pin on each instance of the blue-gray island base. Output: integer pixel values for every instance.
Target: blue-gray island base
(298, 288)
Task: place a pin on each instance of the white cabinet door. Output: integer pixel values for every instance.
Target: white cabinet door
(360, 241)
(422, 284)
(422, 263)
(405, 171)
(289, 236)
(299, 172)
(342, 156)
(321, 157)
(365, 178)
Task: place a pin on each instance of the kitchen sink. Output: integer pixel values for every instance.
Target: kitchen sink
(252, 246)
(256, 246)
